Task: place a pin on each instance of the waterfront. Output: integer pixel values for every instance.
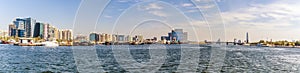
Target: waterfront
(61, 59)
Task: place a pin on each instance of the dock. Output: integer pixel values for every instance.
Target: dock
(28, 44)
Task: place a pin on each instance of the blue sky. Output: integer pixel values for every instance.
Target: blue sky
(59, 13)
(263, 19)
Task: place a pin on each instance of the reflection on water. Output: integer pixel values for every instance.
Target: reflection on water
(61, 59)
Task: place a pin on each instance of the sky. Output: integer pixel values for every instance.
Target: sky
(59, 13)
(263, 19)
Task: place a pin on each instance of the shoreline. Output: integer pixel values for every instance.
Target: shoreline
(202, 45)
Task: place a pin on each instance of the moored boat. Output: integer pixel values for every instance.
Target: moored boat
(50, 44)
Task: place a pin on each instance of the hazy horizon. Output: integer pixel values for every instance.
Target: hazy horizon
(263, 19)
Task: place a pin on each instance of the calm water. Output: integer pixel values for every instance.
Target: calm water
(63, 59)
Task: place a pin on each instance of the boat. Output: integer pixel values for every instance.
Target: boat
(50, 44)
(25, 42)
(262, 45)
(11, 41)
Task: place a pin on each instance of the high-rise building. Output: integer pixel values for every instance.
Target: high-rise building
(176, 35)
(108, 38)
(69, 34)
(81, 38)
(24, 27)
(102, 38)
(38, 30)
(94, 37)
(185, 37)
(179, 35)
(66, 35)
(52, 33)
(60, 34)
(45, 34)
(20, 27)
(29, 23)
(114, 38)
(128, 38)
(21, 33)
(12, 31)
(120, 38)
(3, 33)
(56, 33)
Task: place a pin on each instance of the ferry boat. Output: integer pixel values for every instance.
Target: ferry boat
(25, 42)
(50, 44)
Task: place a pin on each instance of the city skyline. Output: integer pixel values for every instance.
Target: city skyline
(276, 19)
(176, 35)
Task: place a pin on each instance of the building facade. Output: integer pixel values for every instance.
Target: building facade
(3, 33)
(38, 30)
(12, 31)
(120, 38)
(94, 37)
(176, 35)
(23, 27)
(66, 35)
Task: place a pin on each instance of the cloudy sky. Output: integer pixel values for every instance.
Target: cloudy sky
(203, 19)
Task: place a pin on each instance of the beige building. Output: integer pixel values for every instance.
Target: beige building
(66, 35)
(3, 33)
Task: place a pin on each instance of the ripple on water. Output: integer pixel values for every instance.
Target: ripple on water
(237, 58)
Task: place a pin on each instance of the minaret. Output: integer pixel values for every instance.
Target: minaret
(247, 38)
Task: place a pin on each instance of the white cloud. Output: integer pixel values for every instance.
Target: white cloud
(191, 11)
(107, 16)
(123, 1)
(153, 6)
(268, 16)
(197, 0)
(276, 20)
(186, 4)
(199, 23)
(158, 13)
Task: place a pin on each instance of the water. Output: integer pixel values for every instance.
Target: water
(63, 59)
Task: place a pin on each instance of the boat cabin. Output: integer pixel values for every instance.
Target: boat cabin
(26, 41)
